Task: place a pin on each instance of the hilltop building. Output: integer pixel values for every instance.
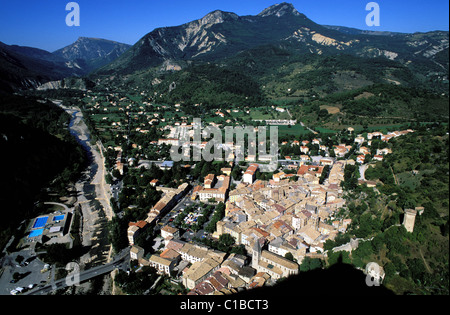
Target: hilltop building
(409, 219)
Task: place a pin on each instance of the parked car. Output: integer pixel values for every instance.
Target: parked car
(19, 289)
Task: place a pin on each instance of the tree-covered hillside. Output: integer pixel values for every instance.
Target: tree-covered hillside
(416, 174)
(37, 152)
(269, 73)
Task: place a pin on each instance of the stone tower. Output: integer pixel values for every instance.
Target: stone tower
(220, 228)
(256, 254)
(409, 219)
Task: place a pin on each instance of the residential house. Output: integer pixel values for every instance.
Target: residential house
(386, 138)
(154, 182)
(325, 229)
(231, 228)
(309, 234)
(360, 159)
(378, 157)
(280, 228)
(312, 170)
(305, 158)
(360, 140)
(340, 150)
(134, 230)
(300, 219)
(324, 162)
(169, 232)
(171, 254)
(384, 151)
(364, 150)
(235, 194)
(136, 252)
(215, 283)
(195, 192)
(200, 270)
(304, 149)
(161, 264)
(250, 174)
(279, 176)
(170, 142)
(276, 246)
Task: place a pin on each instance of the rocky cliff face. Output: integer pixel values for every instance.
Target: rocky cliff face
(311, 38)
(184, 42)
(220, 35)
(217, 33)
(428, 44)
(71, 83)
(217, 37)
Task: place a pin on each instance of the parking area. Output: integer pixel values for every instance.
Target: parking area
(30, 271)
(194, 222)
(170, 217)
(173, 218)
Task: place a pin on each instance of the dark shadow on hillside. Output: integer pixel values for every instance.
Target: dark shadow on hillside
(339, 279)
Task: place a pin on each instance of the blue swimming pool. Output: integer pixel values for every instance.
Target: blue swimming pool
(35, 233)
(58, 218)
(40, 222)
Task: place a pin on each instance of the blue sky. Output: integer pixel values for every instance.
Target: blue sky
(41, 23)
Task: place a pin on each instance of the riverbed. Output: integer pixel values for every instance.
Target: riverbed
(93, 194)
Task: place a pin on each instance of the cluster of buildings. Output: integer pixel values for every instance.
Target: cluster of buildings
(206, 272)
(270, 219)
(364, 151)
(278, 221)
(341, 150)
(290, 216)
(170, 198)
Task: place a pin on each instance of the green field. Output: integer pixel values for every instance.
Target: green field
(296, 130)
(324, 130)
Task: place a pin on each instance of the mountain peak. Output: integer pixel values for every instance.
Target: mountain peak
(92, 52)
(218, 16)
(94, 39)
(82, 38)
(279, 10)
